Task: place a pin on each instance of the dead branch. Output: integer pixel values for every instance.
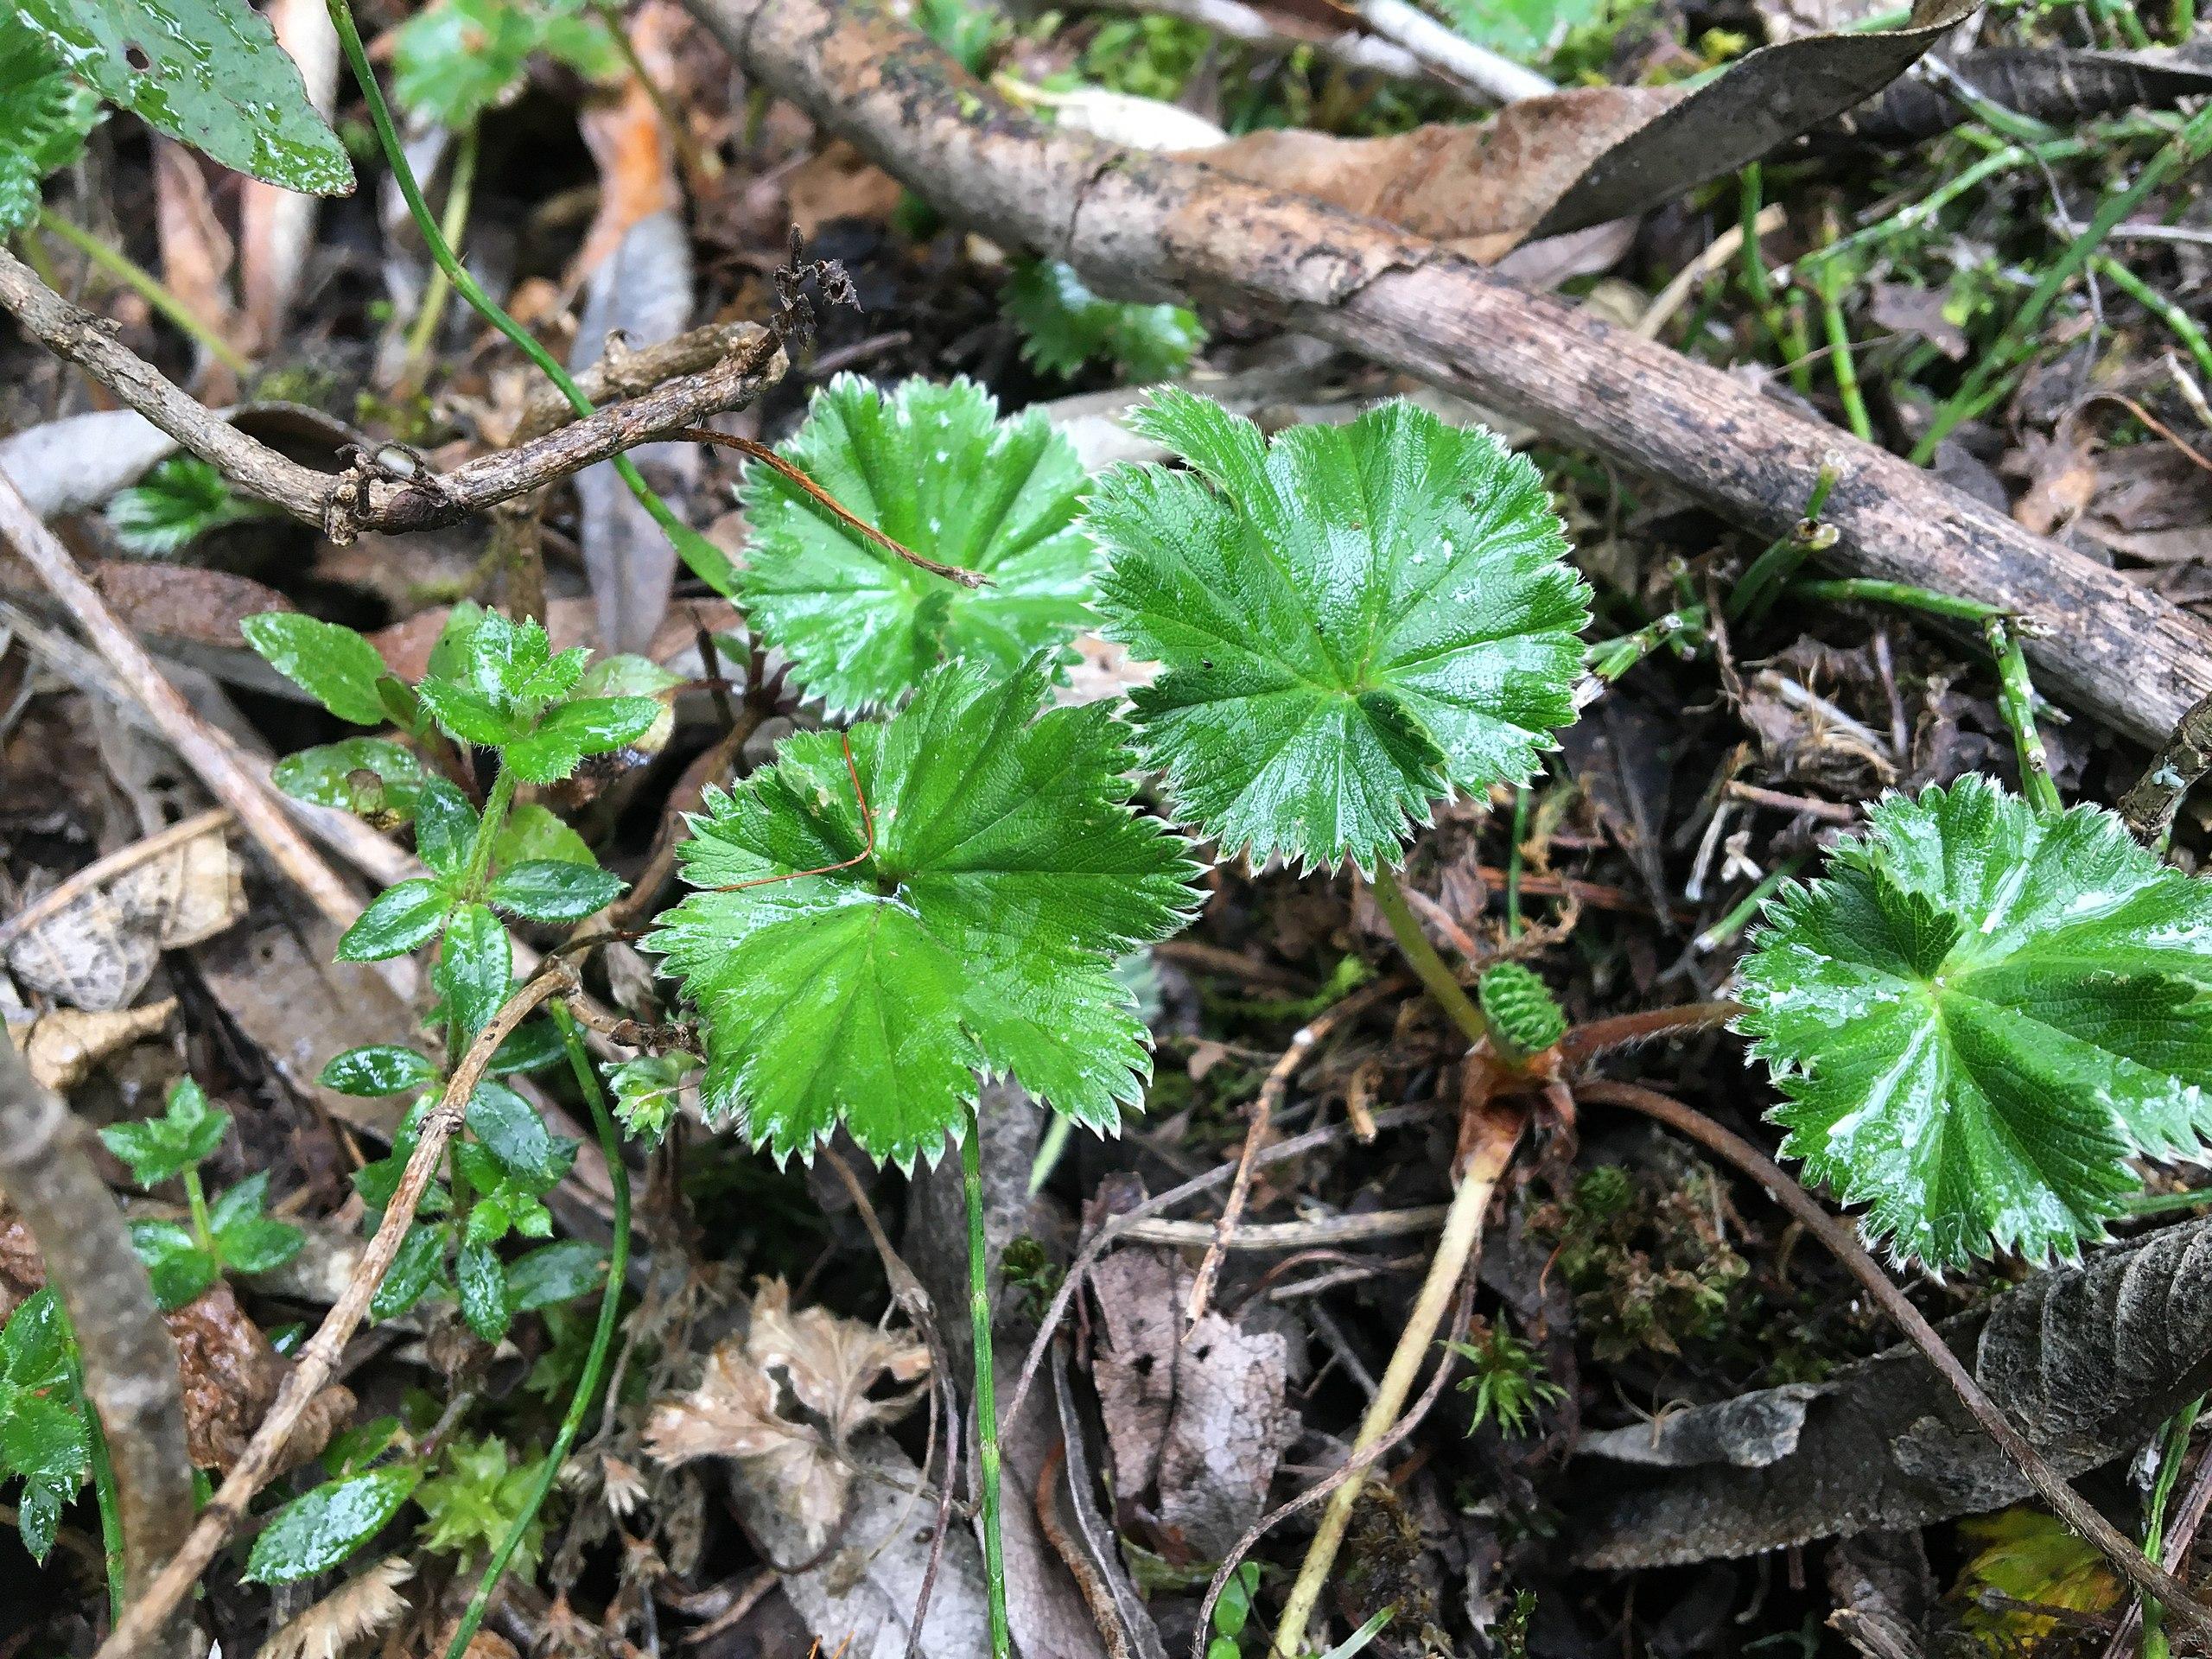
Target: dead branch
(2148, 809)
(2148, 1577)
(259, 1461)
(129, 1363)
(1149, 228)
(369, 496)
(1303, 1042)
(216, 764)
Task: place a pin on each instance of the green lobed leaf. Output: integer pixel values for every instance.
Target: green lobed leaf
(1009, 873)
(1353, 621)
(1523, 29)
(1978, 1014)
(317, 1530)
(475, 968)
(377, 1069)
(331, 663)
(455, 59)
(475, 1500)
(554, 890)
(397, 919)
(35, 1351)
(208, 72)
(1065, 326)
(186, 1134)
(370, 777)
(45, 113)
(934, 467)
(246, 1239)
(647, 1092)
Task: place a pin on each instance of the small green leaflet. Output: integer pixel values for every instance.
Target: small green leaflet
(1980, 1014)
(934, 468)
(45, 113)
(331, 663)
(179, 501)
(1008, 874)
(376, 779)
(1352, 621)
(208, 72)
(1523, 29)
(316, 1531)
(185, 1135)
(43, 1434)
(1063, 326)
(453, 61)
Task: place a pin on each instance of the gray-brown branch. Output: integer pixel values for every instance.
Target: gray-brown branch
(1149, 228)
(368, 496)
(129, 1364)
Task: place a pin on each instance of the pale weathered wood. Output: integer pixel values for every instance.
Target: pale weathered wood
(1149, 227)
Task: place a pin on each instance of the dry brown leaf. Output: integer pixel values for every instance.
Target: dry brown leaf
(2062, 474)
(1202, 1422)
(276, 225)
(1589, 155)
(95, 941)
(367, 1604)
(836, 182)
(829, 1364)
(62, 1047)
(632, 145)
(196, 252)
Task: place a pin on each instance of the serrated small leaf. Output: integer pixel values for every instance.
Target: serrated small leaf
(534, 831)
(178, 1270)
(318, 1530)
(934, 467)
(38, 1516)
(370, 777)
(181, 500)
(400, 917)
(1065, 326)
(511, 1130)
(648, 1092)
(555, 1274)
(1353, 620)
(377, 1069)
(208, 72)
(530, 1046)
(1009, 873)
(465, 713)
(552, 890)
(331, 663)
(475, 968)
(482, 1282)
(45, 113)
(35, 1344)
(416, 1268)
(187, 1132)
(44, 1441)
(247, 1240)
(573, 730)
(445, 827)
(1980, 1013)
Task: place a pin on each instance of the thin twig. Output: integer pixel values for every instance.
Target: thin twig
(1117, 1228)
(2148, 808)
(1585, 1042)
(1334, 1230)
(2148, 1578)
(1090, 1582)
(257, 1463)
(217, 764)
(1303, 1043)
(797, 480)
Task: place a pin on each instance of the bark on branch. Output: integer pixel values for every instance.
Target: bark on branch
(1151, 228)
(129, 1364)
(368, 496)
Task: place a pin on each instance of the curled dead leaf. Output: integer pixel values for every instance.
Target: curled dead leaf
(93, 941)
(828, 1365)
(62, 1047)
(365, 1606)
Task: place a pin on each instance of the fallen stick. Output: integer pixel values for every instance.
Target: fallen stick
(1151, 228)
(216, 764)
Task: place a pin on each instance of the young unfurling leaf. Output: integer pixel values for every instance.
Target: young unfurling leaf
(1353, 620)
(1007, 873)
(1980, 1013)
(185, 1136)
(936, 469)
(1063, 326)
(174, 505)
